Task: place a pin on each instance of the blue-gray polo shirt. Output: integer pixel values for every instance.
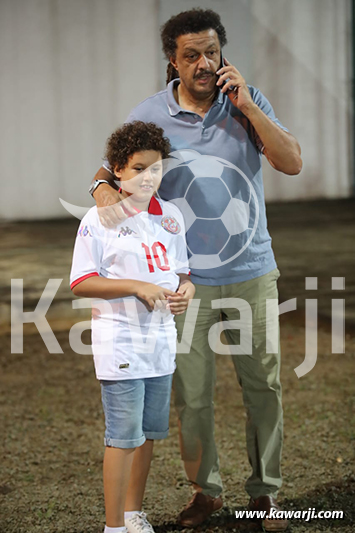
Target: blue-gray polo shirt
(225, 133)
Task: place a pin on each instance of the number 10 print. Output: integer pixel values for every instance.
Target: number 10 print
(149, 255)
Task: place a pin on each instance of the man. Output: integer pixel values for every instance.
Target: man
(208, 107)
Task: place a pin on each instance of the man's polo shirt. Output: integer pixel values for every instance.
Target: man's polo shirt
(224, 133)
(128, 340)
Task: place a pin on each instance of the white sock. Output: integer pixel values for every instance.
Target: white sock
(128, 514)
(121, 529)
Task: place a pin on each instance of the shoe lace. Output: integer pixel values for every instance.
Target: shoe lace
(141, 523)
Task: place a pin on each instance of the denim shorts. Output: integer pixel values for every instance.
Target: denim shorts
(136, 410)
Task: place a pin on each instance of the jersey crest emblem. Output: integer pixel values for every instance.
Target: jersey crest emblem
(170, 224)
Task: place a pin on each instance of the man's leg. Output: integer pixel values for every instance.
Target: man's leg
(194, 383)
(259, 376)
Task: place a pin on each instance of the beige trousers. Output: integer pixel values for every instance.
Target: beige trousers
(258, 373)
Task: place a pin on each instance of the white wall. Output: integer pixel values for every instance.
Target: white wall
(72, 70)
(302, 63)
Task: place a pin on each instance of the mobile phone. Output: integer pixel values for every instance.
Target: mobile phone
(220, 66)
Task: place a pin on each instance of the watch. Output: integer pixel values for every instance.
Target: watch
(95, 185)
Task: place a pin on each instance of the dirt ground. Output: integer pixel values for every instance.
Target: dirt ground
(52, 424)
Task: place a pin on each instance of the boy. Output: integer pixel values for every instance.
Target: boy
(139, 270)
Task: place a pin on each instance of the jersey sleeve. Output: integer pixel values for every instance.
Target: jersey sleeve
(263, 103)
(87, 255)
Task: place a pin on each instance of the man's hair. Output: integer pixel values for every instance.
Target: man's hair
(135, 137)
(193, 21)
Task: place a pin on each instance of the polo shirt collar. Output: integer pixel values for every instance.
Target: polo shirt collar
(219, 99)
(173, 106)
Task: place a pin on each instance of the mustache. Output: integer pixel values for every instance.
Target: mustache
(204, 73)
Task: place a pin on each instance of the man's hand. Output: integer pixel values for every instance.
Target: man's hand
(112, 207)
(154, 296)
(280, 148)
(236, 87)
(179, 301)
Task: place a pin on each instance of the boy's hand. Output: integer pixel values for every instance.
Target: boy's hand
(154, 296)
(179, 301)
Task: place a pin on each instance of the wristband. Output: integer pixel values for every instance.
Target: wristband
(95, 185)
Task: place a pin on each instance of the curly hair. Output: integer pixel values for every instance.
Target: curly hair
(193, 21)
(135, 137)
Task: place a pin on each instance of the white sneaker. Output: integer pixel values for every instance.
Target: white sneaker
(138, 523)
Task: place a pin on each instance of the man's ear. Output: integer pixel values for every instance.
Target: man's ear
(173, 62)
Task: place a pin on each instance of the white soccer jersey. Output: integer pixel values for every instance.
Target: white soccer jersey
(128, 341)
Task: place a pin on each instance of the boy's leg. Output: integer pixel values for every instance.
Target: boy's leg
(156, 409)
(157, 392)
(123, 407)
(116, 471)
(139, 474)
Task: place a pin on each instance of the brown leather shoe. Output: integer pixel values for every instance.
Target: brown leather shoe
(266, 503)
(200, 507)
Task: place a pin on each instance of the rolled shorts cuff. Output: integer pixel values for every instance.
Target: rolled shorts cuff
(156, 435)
(120, 443)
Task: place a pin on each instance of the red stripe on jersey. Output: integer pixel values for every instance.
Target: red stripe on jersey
(79, 280)
(154, 207)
